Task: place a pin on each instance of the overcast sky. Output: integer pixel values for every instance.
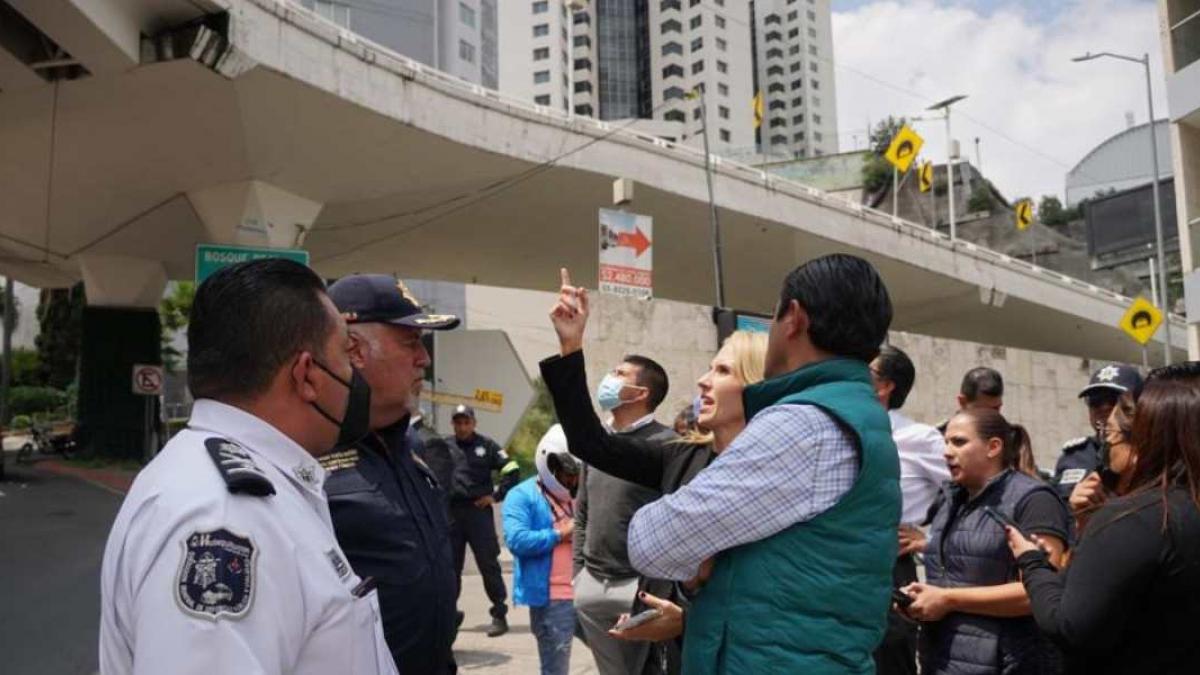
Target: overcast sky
(1035, 112)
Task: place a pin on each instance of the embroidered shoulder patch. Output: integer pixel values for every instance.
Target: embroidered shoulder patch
(336, 461)
(1072, 476)
(216, 578)
(238, 469)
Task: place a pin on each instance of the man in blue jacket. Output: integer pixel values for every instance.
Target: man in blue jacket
(539, 519)
(387, 507)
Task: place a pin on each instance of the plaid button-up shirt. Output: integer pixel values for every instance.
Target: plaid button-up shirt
(792, 463)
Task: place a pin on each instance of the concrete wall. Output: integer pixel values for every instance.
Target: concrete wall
(1041, 390)
(1041, 393)
(679, 335)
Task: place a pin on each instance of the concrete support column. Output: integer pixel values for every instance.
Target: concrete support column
(122, 281)
(120, 328)
(254, 213)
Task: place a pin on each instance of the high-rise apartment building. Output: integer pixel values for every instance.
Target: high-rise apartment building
(536, 52)
(622, 59)
(1179, 23)
(794, 70)
(707, 44)
(625, 59)
(459, 37)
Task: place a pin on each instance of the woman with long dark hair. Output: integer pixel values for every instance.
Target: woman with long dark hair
(974, 613)
(1130, 600)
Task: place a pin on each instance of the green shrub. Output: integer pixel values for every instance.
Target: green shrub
(531, 428)
(30, 400)
(26, 368)
(981, 200)
(21, 422)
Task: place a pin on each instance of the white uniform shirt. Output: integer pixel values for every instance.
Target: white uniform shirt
(922, 465)
(200, 580)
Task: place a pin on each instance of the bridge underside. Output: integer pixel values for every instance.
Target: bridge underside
(420, 181)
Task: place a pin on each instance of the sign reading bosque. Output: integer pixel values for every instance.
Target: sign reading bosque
(212, 257)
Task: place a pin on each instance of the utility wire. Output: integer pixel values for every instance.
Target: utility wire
(466, 200)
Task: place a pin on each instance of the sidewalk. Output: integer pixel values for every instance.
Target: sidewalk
(512, 654)
(113, 480)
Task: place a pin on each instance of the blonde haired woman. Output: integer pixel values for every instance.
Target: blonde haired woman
(660, 465)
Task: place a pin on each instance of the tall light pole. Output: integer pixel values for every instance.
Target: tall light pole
(718, 267)
(1158, 226)
(944, 106)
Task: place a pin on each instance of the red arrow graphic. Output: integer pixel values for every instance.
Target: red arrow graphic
(637, 241)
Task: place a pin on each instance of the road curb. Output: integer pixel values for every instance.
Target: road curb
(116, 481)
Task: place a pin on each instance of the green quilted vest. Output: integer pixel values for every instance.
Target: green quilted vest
(813, 598)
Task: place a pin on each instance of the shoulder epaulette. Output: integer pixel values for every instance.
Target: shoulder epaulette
(241, 474)
(1075, 442)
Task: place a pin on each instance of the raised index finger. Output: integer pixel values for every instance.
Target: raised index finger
(566, 276)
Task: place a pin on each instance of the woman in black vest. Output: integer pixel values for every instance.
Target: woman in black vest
(1130, 600)
(974, 611)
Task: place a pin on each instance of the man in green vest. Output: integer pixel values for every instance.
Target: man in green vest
(798, 516)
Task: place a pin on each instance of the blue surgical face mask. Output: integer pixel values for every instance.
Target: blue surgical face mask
(608, 394)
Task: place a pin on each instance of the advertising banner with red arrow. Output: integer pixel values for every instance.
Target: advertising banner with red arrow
(626, 254)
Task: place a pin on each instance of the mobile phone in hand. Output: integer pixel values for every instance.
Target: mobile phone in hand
(901, 598)
(1001, 519)
(638, 619)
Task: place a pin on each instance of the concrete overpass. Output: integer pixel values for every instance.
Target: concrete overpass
(256, 122)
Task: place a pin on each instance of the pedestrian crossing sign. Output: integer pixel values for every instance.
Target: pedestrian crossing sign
(904, 148)
(1141, 320)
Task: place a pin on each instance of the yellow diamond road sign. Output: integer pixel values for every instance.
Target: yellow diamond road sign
(1024, 214)
(925, 174)
(1141, 320)
(904, 148)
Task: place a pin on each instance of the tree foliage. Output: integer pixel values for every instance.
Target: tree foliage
(980, 200)
(60, 322)
(532, 427)
(173, 312)
(1052, 212)
(16, 318)
(877, 171)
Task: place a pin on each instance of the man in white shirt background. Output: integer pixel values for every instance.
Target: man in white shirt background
(922, 472)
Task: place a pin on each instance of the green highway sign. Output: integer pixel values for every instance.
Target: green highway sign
(212, 257)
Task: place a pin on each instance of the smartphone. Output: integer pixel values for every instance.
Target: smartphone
(1001, 519)
(901, 598)
(638, 619)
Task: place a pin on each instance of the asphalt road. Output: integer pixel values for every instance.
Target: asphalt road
(52, 534)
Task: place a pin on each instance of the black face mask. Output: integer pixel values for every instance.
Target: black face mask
(356, 423)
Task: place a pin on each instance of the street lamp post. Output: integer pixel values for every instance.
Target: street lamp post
(1158, 226)
(714, 223)
(944, 106)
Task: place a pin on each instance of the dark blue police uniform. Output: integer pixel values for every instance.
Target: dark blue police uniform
(478, 457)
(390, 520)
(388, 508)
(1085, 455)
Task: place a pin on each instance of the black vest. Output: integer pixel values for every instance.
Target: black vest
(967, 548)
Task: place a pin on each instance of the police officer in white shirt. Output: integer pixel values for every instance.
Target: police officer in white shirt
(923, 470)
(223, 558)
